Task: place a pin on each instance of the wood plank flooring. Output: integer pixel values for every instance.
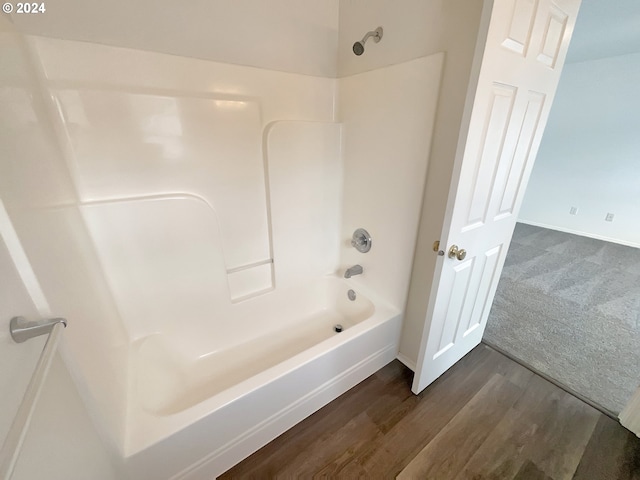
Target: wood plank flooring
(486, 418)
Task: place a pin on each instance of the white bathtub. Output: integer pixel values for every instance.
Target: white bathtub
(196, 409)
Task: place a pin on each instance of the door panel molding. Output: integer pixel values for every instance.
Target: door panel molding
(553, 35)
(521, 26)
(487, 161)
(515, 167)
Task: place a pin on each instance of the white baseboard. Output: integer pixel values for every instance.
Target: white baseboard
(581, 233)
(410, 364)
(250, 441)
(630, 416)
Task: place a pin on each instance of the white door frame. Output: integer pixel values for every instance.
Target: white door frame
(630, 415)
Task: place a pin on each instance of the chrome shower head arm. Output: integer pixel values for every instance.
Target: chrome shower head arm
(376, 34)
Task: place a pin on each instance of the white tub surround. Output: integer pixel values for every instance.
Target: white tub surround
(203, 229)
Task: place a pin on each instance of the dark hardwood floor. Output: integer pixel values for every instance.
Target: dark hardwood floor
(486, 418)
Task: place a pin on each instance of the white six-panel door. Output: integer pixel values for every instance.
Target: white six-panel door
(526, 46)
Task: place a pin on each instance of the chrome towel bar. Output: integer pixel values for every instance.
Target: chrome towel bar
(22, 330)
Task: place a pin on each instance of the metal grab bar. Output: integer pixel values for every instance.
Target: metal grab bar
(22, 330)
(15, 437)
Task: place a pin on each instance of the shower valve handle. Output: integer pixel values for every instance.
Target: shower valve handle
(361, 240)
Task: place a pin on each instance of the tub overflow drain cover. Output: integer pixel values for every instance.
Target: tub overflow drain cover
(338, 328)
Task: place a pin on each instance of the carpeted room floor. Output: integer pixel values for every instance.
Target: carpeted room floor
(569, 306)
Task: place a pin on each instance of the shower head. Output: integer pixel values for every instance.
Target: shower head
(358, 47)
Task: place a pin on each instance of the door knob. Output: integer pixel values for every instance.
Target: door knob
(455, 252)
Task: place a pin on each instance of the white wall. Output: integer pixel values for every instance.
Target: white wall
(61, 427)
(34, 184)
(605, 29)
(297, 36)
(589, 153)
(17, 361)
(38, 194)
(62, 442)
(388, 116)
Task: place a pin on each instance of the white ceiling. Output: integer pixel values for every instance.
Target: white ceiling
(605, 28)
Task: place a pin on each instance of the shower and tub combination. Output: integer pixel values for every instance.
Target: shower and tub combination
(236, 241)
(296, 347)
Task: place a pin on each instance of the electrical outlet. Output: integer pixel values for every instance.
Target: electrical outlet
(573, 211)
(609, 217)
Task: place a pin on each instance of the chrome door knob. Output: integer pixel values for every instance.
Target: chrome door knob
(455, 252)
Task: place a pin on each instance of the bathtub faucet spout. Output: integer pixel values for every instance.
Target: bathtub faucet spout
(355, 270)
